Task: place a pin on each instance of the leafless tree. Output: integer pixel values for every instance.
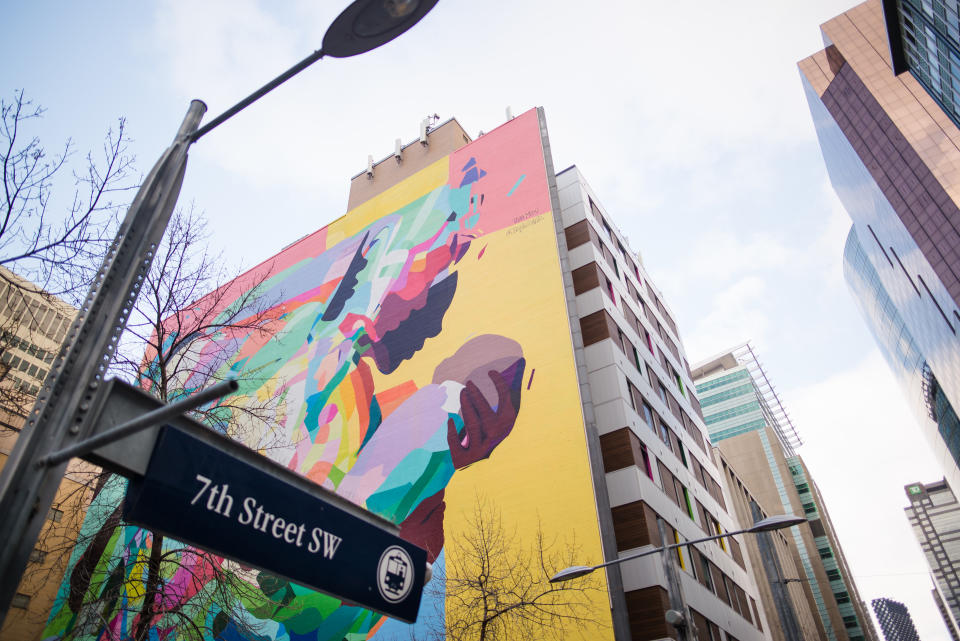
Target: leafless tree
(57, 218)
(497, 586)
(55, 248)
(187, 297)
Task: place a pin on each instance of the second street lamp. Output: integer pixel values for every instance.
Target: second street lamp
(677, 614)
(764, 525)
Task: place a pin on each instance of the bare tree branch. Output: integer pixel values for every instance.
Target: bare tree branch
(497, 588)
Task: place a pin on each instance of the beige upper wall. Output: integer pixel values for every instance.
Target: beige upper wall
(441, 141)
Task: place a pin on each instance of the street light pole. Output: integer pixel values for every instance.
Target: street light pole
(776, 522)
(59, 420)
(673, 581)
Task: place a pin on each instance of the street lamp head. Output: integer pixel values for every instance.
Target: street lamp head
(367, 24)
(776, 522)
(571, 573)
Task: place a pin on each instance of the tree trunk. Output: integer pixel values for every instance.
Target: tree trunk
(153, 584)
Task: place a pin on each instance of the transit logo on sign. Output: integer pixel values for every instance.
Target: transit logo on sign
(200, 495)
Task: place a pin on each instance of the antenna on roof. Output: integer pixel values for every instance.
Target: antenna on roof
(397, 149)
(426, 125)
(509, 113)
(370, 167)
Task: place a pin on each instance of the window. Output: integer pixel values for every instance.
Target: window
(842, 597)
(646, 335)
(636, 359)
(613, 296)
(680, 559)
(20, 600)
(646, 461)
(686, 498)
(719, 530)
(633, 403)
(850, 621)
(683, 453)
(662, 393)
(833, 575)
(803, 487)
(647, 415)
(809, 508)
(825, 553)
(55, 515)
(664, 432)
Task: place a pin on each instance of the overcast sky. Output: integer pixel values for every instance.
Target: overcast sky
(688, 119)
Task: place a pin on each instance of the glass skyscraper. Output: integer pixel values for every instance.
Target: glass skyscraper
(882, 100)
(895, 620)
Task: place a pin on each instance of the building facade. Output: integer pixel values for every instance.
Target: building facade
(777, 571)
(655, 457)
(473, 332)
(934, 516)
(33, 325)
(895, 620)
(749, 426)
(882, 102)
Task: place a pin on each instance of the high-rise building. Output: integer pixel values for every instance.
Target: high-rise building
(934, 515)
(33, 325)
(474, 337)
(882, 94)
(777, 571)
(751, 429)
(895, 620)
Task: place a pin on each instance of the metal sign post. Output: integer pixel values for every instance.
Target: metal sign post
(60, 417)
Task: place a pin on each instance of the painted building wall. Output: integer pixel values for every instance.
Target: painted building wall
(419, 360)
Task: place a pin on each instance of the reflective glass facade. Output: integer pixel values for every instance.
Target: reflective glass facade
(929, 34)
(893, 156)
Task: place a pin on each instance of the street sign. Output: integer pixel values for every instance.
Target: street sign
(198, 494)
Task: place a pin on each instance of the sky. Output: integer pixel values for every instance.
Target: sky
(688, 120)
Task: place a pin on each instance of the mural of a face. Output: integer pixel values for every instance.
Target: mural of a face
(348, 314)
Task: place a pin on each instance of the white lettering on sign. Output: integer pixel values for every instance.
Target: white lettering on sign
(252, 514)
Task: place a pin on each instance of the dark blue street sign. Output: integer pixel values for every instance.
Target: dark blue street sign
(197, 494)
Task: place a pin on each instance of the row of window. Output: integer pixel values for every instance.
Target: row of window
(721, 585)
(623, 448)
(737, 484)
(14, 341)
(601, 325)
(15, 363)
(581, 233)
(595, 212)
(738, 375)
(15, 305)
(636, 524)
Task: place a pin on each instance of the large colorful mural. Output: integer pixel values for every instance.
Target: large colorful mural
(418, 355)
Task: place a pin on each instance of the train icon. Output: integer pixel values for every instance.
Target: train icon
(395, 574)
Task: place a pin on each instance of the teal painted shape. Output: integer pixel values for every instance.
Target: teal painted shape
(517, 184)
